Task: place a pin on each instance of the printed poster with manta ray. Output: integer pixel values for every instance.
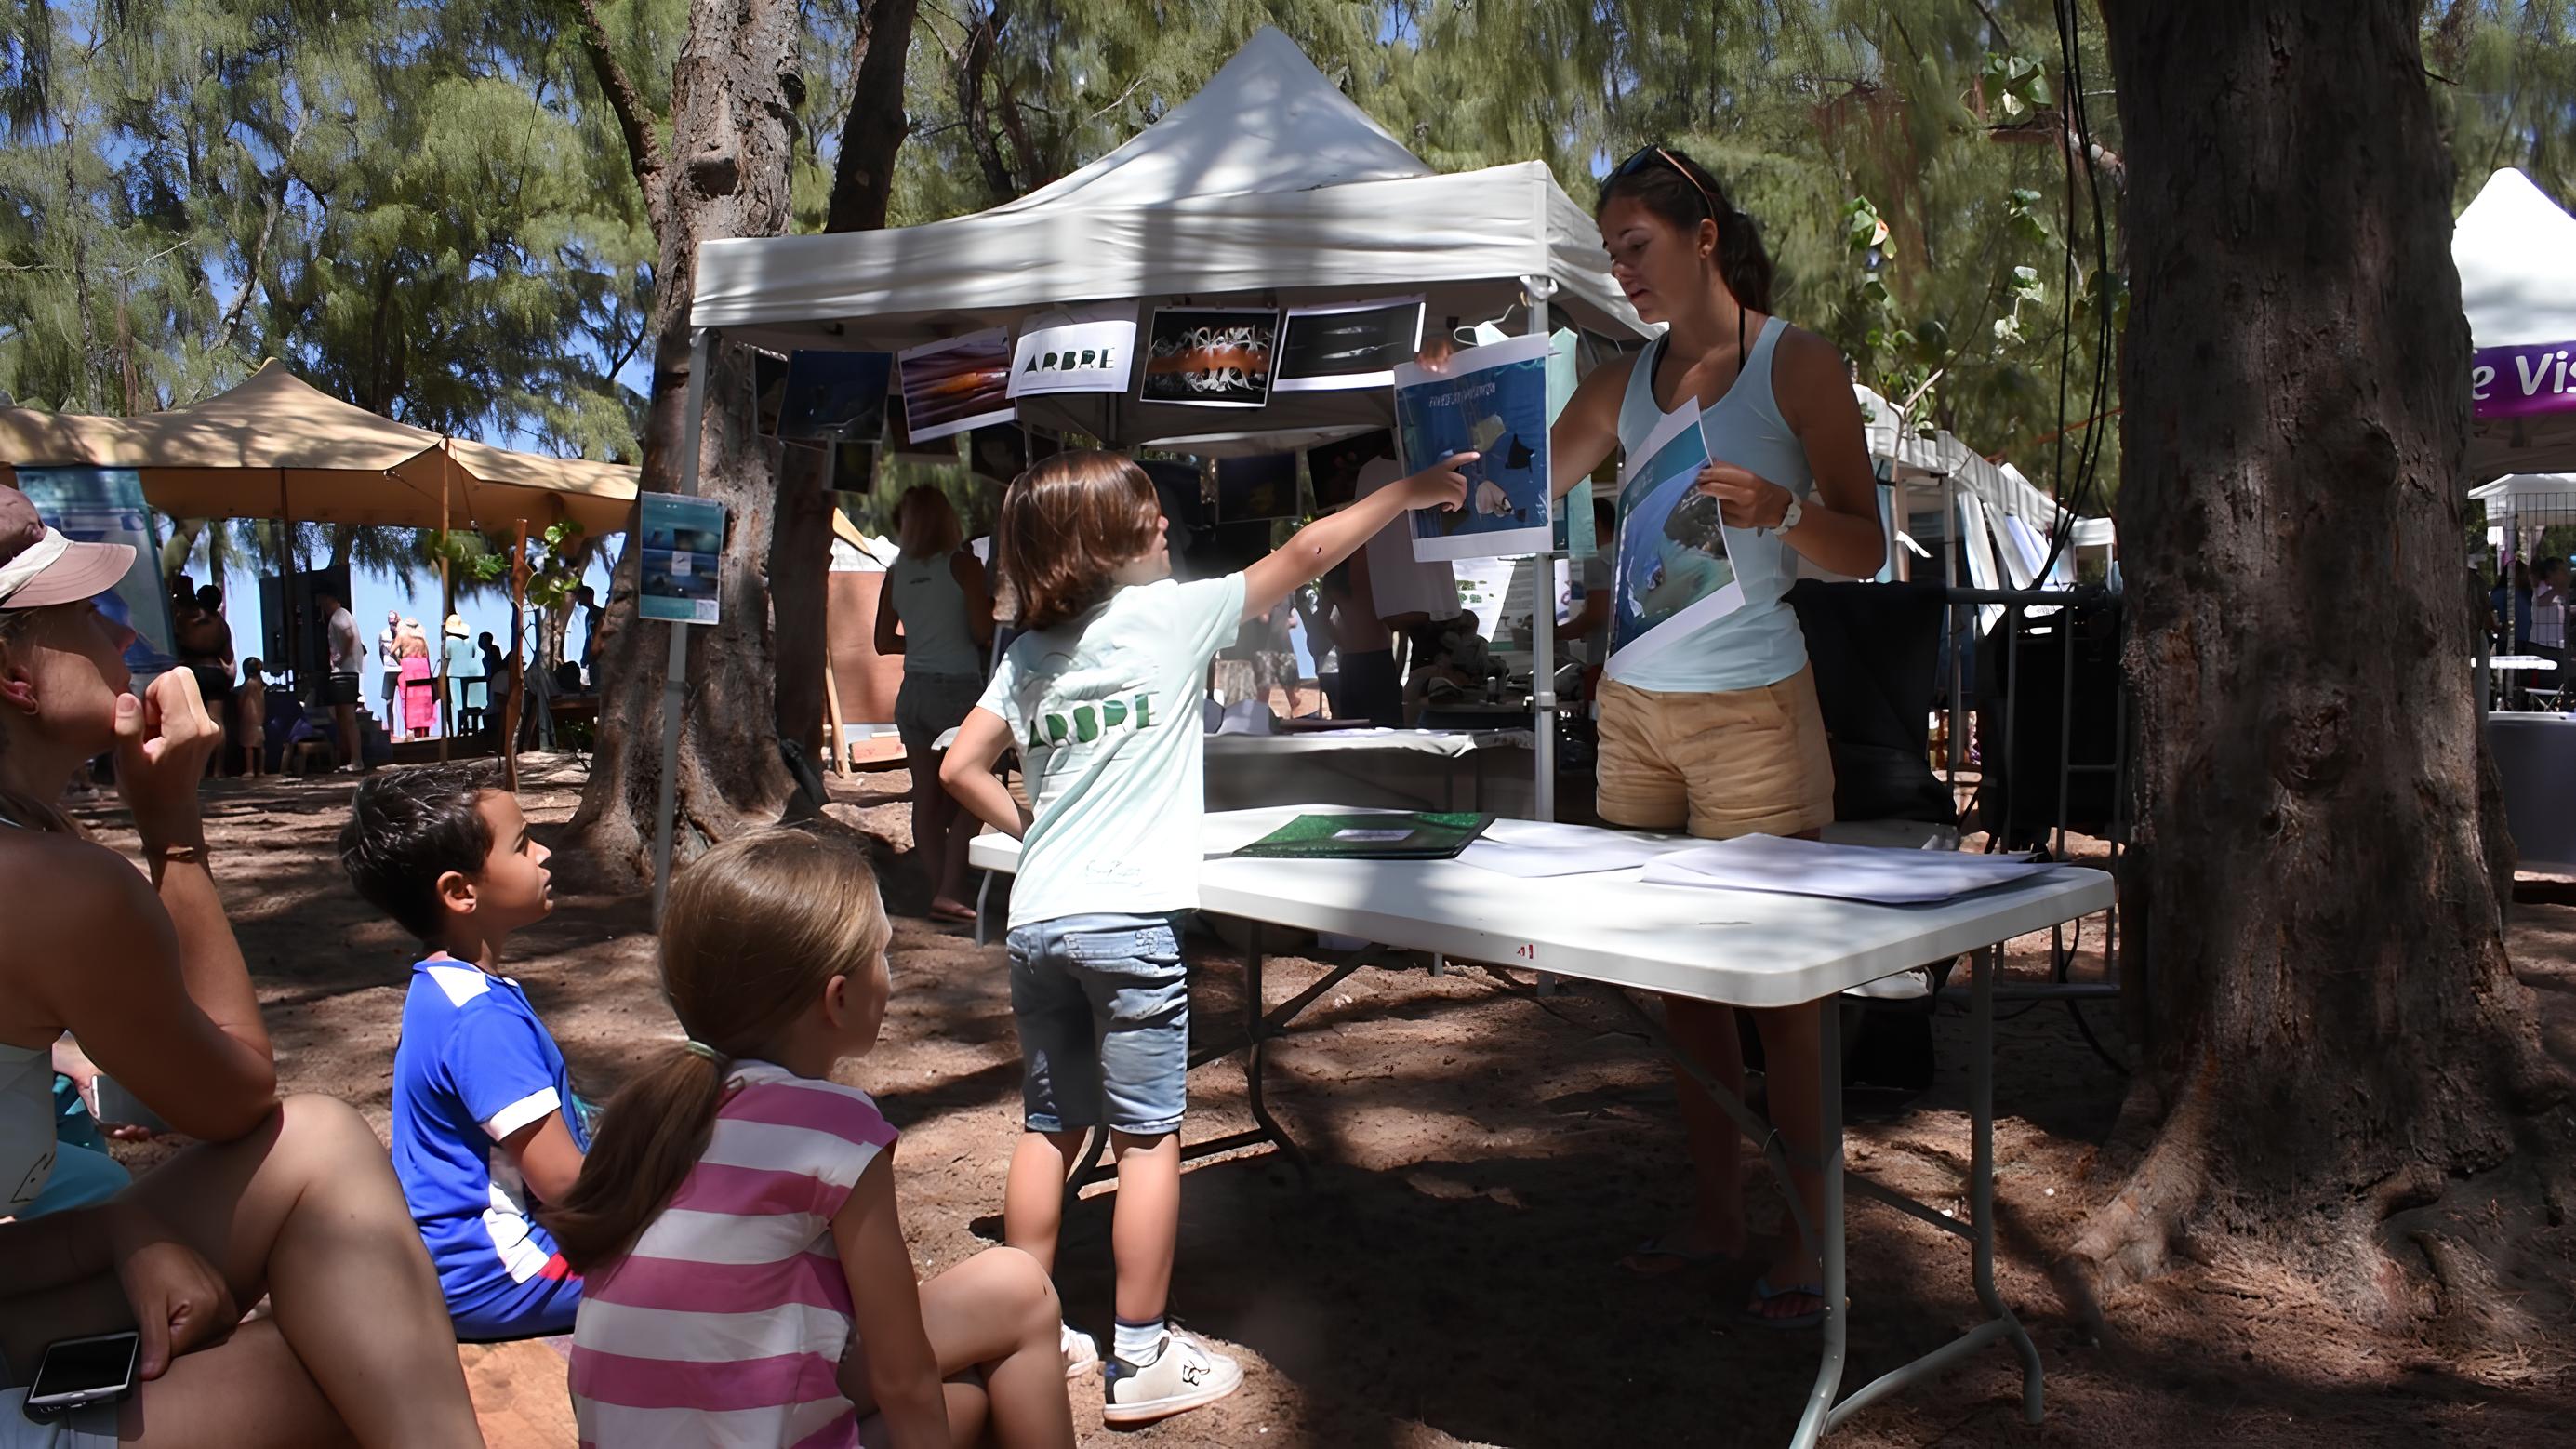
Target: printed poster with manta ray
(1672, 574)
(1490, 401)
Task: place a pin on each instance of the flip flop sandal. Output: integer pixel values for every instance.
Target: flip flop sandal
(1764, 1293)
(1656, 1250)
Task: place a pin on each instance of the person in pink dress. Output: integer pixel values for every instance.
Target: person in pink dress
(419, 699)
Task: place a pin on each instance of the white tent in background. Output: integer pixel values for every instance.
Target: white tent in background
(2516, 251)
(2003, 520)
(1267, 185)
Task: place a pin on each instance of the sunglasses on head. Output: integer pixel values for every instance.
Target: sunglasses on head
(1647, 158)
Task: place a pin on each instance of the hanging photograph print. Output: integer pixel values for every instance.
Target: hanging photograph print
(683, 541)
(1211, 357)
(1672, 573)
(832, 396)
(1087, 349)
(1264, 486)
(1347, 344)
(854, 467)
(958, 384)
(1334, 468)
(768, 390)
(1001, 452)
(902, 447)
(1490, 401)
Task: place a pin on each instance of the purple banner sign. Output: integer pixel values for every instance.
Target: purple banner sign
(2512, 382)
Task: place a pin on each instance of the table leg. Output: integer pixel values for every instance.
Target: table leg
(1258, 1030)
(1981, 1171)
(1837, 1324)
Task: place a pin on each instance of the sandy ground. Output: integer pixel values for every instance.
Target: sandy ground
(1484, 1155)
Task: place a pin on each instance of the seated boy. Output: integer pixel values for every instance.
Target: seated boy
(484, 1117)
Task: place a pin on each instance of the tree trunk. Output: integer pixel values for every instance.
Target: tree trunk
(727, 176)
(801, 555)
(863, 172)
(800, 571)
(2337, 1033)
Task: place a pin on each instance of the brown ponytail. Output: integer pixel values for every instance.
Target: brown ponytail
(753, 932)
(1685, 193)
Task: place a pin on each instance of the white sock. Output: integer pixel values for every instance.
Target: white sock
(1137, 1342)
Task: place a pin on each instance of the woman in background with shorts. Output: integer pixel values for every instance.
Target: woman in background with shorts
(1720, 733)
(936, 594)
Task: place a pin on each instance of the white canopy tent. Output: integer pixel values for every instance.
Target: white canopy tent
(1268, 187)
(2003, 521)
(2516, 251)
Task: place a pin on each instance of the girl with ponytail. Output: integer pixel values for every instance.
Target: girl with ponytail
(735, 1219)
(1720, 732)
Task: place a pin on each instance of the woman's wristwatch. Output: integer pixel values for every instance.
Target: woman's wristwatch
(1794, 515)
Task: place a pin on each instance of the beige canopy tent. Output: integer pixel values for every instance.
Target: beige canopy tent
(277, 447)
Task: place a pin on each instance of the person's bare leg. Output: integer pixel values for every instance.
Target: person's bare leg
(1145, 1226)
(1033, 1196)
(1791, 1050)
(306, 1209)
(997, 1313)
(1704, 1032)
(957, 835)
(250, 1392)
(346, 717)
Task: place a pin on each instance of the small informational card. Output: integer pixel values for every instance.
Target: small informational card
(1489, 400)
(1082, 349)
(1210, 357)
(1672, 573)
(683, 551)
(1347, 345)
(833, 397)
(961, 383)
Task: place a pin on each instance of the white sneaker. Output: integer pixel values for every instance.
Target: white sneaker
(1081, 1352)
(1183, 1374)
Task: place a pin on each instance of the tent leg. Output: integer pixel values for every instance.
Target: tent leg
(675, 669)
(1543, 618)
(511, 713)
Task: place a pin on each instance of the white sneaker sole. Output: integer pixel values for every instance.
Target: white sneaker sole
(1147, 1410)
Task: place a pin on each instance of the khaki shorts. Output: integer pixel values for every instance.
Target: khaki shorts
(1742, 762)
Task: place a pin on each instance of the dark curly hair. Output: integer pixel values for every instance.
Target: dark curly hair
(409, 827)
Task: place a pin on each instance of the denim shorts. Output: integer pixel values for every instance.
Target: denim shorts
(1103, 1006)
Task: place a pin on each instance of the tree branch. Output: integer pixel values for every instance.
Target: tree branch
(863, 172)
(634, 119)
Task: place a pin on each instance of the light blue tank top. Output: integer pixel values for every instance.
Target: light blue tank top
(1759, 643)
(937, 638)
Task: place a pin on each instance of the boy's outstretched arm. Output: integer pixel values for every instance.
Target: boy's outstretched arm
(1327, 541)
(968, 772)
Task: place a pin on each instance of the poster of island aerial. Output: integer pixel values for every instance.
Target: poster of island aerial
(1672, 572)
(1490, 401)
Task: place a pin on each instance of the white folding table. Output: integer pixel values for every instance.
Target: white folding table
(1740, 948)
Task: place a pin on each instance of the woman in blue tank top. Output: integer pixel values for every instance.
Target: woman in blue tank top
(1719, 732)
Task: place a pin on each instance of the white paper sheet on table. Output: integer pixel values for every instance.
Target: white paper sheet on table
(1534, 848)
(1837, 872)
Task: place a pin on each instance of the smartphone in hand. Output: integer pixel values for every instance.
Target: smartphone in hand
(78, 1372)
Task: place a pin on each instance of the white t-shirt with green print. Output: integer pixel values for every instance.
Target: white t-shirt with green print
(1106, 713)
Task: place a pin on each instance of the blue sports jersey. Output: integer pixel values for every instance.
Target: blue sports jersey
(475, 1065)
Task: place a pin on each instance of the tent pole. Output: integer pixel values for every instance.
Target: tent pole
(447, 604)
(1543, 611)
(675, 670)
(518, 663)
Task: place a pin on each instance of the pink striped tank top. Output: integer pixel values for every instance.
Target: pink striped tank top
(726, 1323)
